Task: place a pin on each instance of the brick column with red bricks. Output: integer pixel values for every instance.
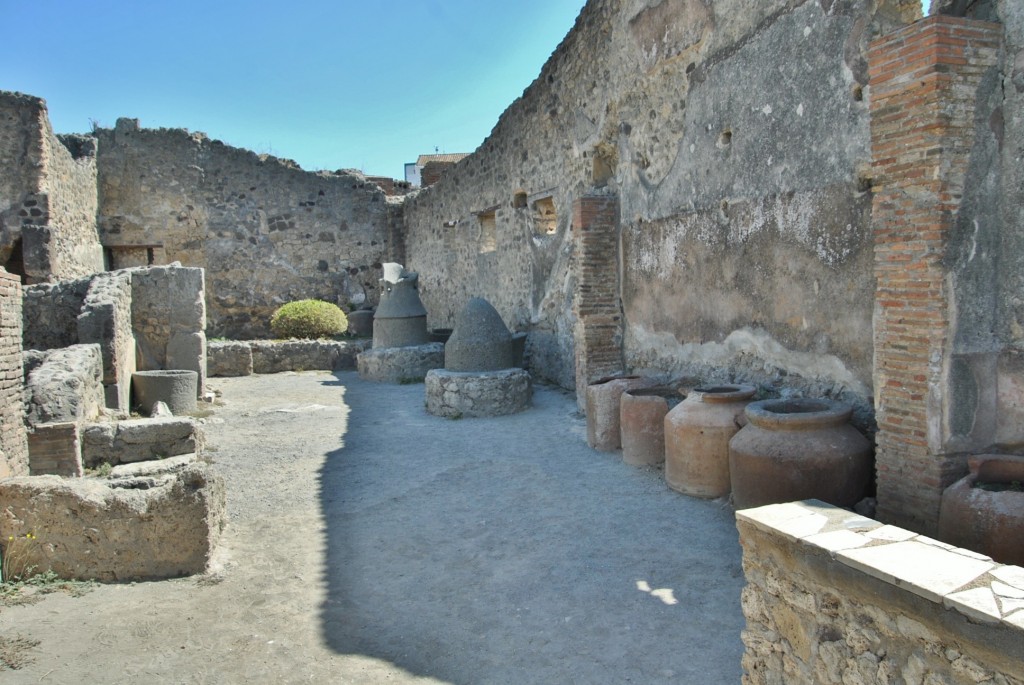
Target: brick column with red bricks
(13, 446)
(923, 84)
(598, 334)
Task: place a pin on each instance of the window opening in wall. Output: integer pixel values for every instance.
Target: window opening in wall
(15, 264)
(545, 218)
(488, 230)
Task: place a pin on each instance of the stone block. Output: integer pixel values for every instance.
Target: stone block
(136, 440)
(117, 530)
(229, 358)
(66, 386)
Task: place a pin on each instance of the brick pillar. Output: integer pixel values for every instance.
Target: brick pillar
(13, 446)
(923, 83)
(598, 333)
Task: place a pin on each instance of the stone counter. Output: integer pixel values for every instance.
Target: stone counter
(833, 597)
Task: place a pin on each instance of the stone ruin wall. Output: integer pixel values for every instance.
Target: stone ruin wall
(265, 231)
(735, 136)
(47, 195)
(13, 447)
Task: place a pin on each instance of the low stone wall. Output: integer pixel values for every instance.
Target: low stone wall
(833, 597)
(66, 386)
(244, 357)
(118, 530)
(126, 442)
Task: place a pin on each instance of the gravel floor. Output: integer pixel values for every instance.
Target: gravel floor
(371, 542)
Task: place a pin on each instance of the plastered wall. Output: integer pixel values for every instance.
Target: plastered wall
(735, 138)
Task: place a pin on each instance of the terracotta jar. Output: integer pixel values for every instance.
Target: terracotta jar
(603, 409)
(798, 449)
(642, 423)
(697, 435)
(984, 510)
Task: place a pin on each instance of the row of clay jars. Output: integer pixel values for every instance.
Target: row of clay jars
(765, 452)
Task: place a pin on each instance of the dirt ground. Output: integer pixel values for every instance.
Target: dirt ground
(370, 542)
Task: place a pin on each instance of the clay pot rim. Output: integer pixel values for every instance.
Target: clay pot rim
(803, 412)
(666, 392)
(164, 373)
(726, 392)
(609, 379)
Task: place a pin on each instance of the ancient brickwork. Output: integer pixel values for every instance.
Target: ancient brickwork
(55, 449)
(266, 231)
(834, 598)
(735, 136)
(925, 82)
(48, 195)
(13, 448)
(597, 308)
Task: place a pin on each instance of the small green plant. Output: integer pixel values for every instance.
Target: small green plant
(1011, 486)
(16, 557)
(101, 470)
(308, 319)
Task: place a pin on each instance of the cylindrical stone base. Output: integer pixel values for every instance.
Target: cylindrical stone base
(174, 387)
(458, 394)
(400, 364)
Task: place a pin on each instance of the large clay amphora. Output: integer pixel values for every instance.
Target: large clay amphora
(697, 434)
(642, 423)
(984, 510)
(603, 409)
(798, 449)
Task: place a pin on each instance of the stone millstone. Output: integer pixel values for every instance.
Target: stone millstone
(480, 341)
(400, 319)
(458, 394)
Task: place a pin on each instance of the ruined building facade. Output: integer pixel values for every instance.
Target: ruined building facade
(819, 197)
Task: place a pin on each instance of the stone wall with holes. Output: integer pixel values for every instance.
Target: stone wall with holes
(47, 195)
(834, 598)
(735, 136)
(265, 231)
(13, 448)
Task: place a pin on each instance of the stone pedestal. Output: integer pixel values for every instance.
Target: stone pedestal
(458, 394)
(400, 364)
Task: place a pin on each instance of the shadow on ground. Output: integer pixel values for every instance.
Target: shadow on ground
(505, 550)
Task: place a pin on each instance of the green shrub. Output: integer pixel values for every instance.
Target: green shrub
(308, 319)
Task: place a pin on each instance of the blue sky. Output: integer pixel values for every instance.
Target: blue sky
(331, 84)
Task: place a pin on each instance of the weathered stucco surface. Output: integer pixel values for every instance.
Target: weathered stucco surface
(266, 231)
(735, 136)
